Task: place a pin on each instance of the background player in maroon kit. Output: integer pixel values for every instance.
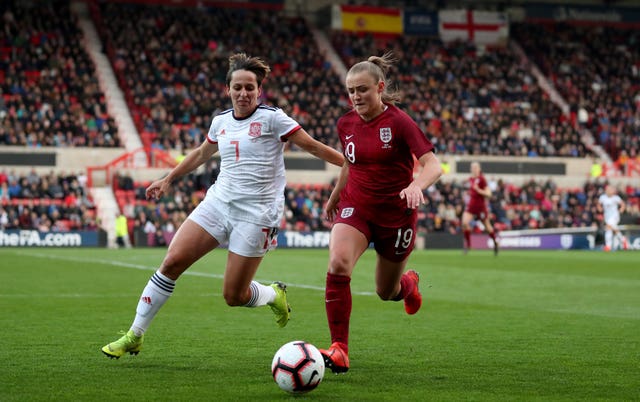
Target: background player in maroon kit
(476, 208)
(375, 199)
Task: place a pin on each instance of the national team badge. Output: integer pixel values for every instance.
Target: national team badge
(255, 129)
(346, 212)
(385, 134)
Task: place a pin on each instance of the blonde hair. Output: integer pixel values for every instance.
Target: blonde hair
(240, 61)
(377, 67)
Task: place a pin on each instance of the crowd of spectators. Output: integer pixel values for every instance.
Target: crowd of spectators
(470, 99)
(49, 92)
(533, 205)
(48, 203)
(597, 70)
(172, 62)
(59, 202)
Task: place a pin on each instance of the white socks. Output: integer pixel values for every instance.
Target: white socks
(260, 295)
(608, 238)
(154, 295)
(159, 288)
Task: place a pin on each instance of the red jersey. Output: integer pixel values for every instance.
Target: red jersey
(380, 156)
(476, 200)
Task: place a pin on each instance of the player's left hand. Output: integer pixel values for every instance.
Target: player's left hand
(331, 209)
(413, 195)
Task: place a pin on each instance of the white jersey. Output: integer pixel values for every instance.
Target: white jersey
(611, 207)
(250, 186)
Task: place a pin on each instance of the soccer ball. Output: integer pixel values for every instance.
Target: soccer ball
(297, 367)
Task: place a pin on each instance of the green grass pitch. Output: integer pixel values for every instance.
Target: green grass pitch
(525, 326)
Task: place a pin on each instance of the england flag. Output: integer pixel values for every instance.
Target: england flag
(480, 27)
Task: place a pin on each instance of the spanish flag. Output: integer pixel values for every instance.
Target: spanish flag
(368, 19)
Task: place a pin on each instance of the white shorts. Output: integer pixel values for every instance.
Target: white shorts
(244, 238)
(613, 223)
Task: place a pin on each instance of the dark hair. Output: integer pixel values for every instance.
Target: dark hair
(240, 61)
(377, 67)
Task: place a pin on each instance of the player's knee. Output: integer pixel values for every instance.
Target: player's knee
(173, 266)
(339, 265)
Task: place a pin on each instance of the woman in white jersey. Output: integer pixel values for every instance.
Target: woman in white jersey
(243, 207)
(612, 206)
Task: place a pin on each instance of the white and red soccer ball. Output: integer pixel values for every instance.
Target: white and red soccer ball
(297, 367)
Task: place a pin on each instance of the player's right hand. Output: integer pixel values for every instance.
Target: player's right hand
(156, 189)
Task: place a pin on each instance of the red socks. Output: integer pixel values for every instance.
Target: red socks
(338, 306)
(467, 238)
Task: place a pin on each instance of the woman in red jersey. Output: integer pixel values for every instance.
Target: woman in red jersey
(476, 208)
(375, 199)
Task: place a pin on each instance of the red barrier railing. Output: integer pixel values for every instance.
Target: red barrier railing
(155, 158)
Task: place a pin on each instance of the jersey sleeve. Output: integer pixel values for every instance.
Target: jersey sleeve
(482, 183)
(418, 142)
(601, 199)
(212, 135)
(283, 125)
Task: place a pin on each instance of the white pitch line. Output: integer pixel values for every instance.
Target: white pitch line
(154, 268)
(85, 296)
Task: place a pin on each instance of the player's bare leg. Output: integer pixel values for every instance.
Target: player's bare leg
(239, 288)
(189, 244)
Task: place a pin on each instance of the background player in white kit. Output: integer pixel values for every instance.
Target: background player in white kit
(243, 207)
(612, 205)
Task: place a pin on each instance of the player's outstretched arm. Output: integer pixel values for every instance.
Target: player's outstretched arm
(193, 159)
(302, 139)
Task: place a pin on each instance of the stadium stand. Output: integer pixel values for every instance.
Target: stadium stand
(172, 66)
(471, 99)
(51, 202)
(50, 94)
(597, 70)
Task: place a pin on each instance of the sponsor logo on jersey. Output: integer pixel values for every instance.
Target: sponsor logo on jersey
(346, 212)
(255, 129)
(385, 134)
(222, 133)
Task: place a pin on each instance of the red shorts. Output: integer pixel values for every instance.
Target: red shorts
(479, 211)
(393, 243)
